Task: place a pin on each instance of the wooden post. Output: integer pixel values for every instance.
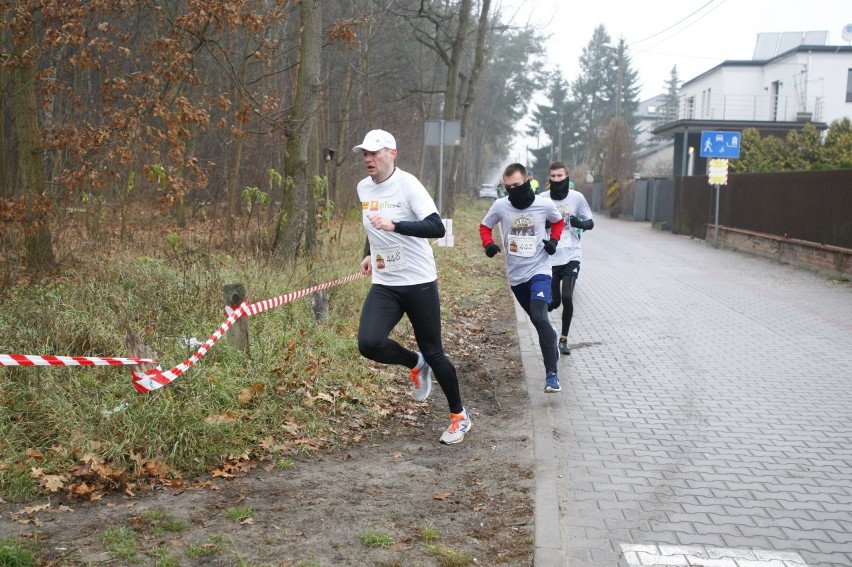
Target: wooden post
(319, 305)
(238, 334)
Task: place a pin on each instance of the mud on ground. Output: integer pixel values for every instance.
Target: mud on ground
(466, 504)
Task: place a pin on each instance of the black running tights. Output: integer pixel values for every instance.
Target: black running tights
(384, 308)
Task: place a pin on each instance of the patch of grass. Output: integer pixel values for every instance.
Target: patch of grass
(16, 482)
(239, 514)
(159, 523)
(304, 378)
(449, 557)
(121, 542)
(15, 553)
(163, 557)
(374, 538)
(429, 532)
(841, 278)
(212, 547)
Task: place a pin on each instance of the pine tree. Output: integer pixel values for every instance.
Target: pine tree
(671, 107)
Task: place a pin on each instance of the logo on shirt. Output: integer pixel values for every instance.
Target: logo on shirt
(523, 225)
(379, 205)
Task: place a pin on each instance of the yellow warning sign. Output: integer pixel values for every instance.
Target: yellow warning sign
(717, 171)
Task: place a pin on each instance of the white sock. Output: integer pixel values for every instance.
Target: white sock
(421, 362)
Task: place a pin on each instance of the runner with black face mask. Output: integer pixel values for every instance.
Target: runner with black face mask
(566, 261)
(523, 218)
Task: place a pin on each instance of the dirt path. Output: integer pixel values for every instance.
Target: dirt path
(475, 498)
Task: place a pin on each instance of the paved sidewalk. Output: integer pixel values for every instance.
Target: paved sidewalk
(705, 416)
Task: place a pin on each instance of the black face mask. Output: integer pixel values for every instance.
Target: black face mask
(559, 189)
(521, 196)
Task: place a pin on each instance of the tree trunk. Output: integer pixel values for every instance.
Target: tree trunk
(313, 166)
(479, 58)
(451, 102)
(291, 227)
(37, 237)
(234, 164)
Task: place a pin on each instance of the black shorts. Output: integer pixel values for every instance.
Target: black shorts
(569, 270)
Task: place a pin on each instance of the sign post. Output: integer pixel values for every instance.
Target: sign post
(442, 133)
(722, 146)
(717, 175)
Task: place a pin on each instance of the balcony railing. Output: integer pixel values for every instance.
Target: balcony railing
(763, 108)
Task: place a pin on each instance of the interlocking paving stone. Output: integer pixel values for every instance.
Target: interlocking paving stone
(707, 401)
(686, 556)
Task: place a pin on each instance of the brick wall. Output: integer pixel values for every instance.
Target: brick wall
(823, 258)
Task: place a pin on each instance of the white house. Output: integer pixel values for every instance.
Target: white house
(653, 153)
(793, 79)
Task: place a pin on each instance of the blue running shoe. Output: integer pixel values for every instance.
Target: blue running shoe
(551, 383)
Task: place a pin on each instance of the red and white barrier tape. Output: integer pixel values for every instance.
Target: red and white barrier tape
(155, 378)
(36, 360)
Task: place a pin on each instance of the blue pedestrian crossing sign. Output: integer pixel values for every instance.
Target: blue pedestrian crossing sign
(720, 144)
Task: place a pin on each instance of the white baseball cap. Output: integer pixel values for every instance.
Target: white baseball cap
(376, 140)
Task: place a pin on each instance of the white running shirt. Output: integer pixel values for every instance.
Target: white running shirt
(569, 245)
(523, 236)
(398, 260)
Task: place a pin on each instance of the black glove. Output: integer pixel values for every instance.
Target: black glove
(491, 250)
(550, 246)
(575, 222)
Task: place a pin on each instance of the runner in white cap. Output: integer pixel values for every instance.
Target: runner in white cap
(400, 215)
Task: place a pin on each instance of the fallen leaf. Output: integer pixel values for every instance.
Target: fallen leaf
(34, 509)
(225, 417)
(246, 395)
(53, 482)
(80, 489)
(442, 496)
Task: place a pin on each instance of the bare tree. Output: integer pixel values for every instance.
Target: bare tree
(37, 236)
(470, 97)
(302, 121)
(619, 162)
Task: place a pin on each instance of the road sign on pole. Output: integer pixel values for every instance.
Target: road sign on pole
(717, 174)
(442, 133)
(720, 144)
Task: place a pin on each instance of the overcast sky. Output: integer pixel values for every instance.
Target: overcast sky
(695, 35)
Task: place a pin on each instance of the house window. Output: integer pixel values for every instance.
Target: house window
(690, 108)
(849, 85)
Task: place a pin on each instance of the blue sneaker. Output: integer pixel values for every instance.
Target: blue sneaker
(551, 383)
